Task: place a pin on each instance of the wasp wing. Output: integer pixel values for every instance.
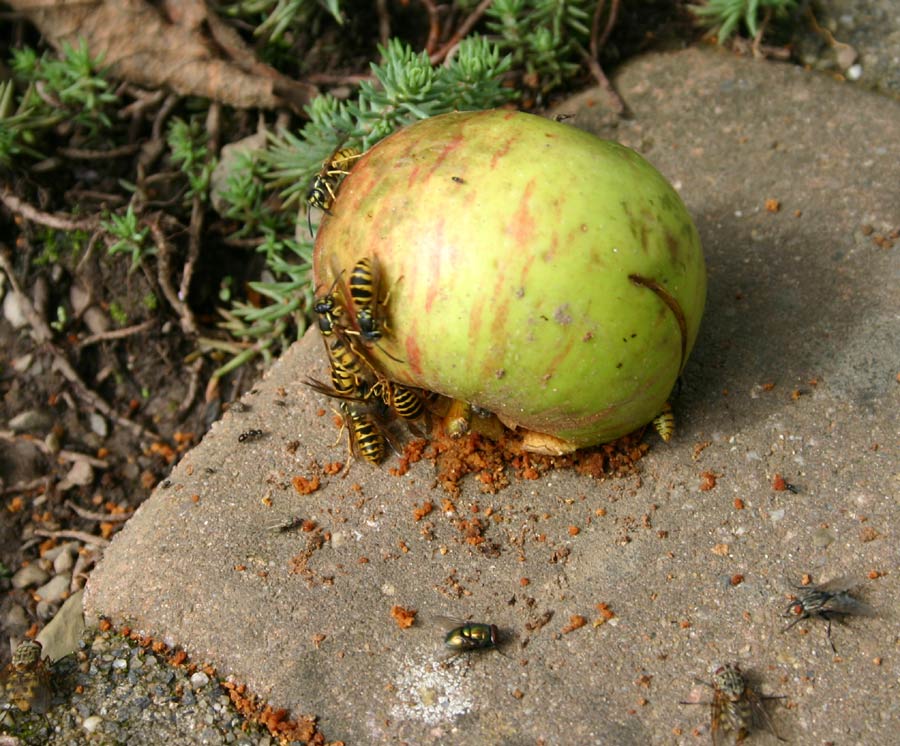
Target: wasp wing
(329, 391)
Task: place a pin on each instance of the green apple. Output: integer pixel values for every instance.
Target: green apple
(524, 266)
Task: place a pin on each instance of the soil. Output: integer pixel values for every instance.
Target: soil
(141, 377)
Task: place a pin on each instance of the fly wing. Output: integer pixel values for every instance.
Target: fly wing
(717, 716)
(442, 626)
(841, 584)
(41, 694)
(761, 718)
(445, 623)
(844, 603)
(841, 602)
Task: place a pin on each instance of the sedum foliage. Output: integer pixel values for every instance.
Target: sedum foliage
(545, 38)
(406, 88)
(188, 147)
(127, 236)
(275, 18)
(724, 17)
(71, 89)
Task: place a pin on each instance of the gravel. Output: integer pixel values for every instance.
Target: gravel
(113, 691)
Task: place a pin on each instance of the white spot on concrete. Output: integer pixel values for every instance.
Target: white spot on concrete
(431, 691)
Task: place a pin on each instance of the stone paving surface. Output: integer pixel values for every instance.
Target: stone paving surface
(795, 373)
(856, 38)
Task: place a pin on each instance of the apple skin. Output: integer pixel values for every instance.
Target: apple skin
(526, 267)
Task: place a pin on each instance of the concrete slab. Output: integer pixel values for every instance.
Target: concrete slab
(795, 373)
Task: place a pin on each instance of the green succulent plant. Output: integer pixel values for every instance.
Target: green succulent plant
(724, 17)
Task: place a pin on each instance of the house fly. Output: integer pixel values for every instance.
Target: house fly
(828, 601)
(735, 709)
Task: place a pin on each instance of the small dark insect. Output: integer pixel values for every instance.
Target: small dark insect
(250, 435)
(735, 708)
(25, 681)
(664, 423)
(283, 528)
(827, 601)
(323, 190)
(458, 179)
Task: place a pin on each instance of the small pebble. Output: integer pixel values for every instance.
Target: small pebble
(823, 537)
(52, 553)
(14, 311)
(96, 320)
(98, 424)
(22, 363)
(16, 621)
(80, 475)
(53, 591)
(91, 723)
(63, 562)
(30, 421)
(29, 575)
(199, 679)
(53, 442)
(79, 298)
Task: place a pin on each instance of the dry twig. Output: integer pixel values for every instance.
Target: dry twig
(384, 22)
(592, 56)
(41, 483)
(614, 101)
(598, 39)
(434, 28)
(195, 370)
(59, 222)
(77, 535)
(164, 267)
(127, 331)
(99, 155)
(91, 515)
(464, 28)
